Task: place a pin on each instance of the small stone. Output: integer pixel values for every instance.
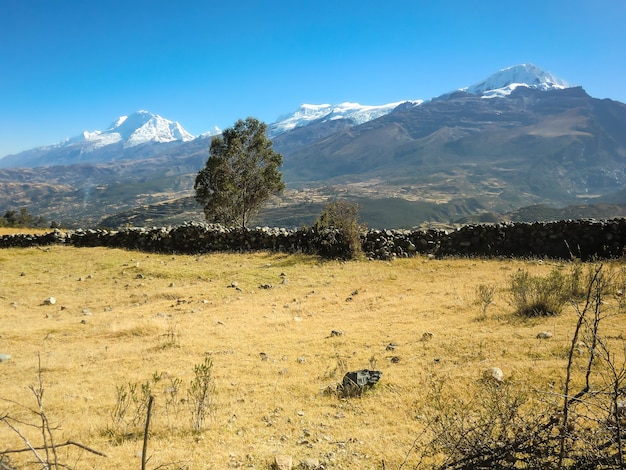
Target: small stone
(495, 373)
(336, 333)
(139, 276)
(50, 301)
(4, 357)
(265, 286)
(544, 335)
(283, 462)
(301, 360)
(263, 356)
(310, 464)
(395, 359)
(391, 346)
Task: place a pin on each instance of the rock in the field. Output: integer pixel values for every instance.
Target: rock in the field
(494, 374)
(310, 464)
(544, 335)
(354, 383)
(283, 462)
(50, 301)
(4, 357)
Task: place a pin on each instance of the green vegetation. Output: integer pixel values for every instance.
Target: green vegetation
(21, 218)
(534, 296)
(344, 217)
(241, 174)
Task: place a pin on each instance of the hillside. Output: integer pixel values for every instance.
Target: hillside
(477, 153)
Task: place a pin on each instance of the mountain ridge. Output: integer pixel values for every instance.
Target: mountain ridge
(457, 156)
(143, 127)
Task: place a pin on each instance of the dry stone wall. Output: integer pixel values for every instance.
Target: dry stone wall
(584, 239)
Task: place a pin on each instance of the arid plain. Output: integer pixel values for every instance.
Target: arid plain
(124, 318)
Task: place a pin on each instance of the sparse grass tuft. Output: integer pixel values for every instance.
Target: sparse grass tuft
(539, 296)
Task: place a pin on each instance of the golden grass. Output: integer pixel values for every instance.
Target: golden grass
(15, 230)
(122, 316)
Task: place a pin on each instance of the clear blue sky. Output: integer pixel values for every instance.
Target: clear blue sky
(74, 65)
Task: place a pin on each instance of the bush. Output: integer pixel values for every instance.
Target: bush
(536, 296)
(499, 426)
(339, 231)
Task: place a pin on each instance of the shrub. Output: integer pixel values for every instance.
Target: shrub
(339, 231)
(200, 393)
(499, 426)
(485, 294)
(536, 296)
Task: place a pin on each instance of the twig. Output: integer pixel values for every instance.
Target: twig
(33, 449)
(570, 361)
(30, 447)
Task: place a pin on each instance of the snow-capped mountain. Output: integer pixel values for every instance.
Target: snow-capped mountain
(138, 128)
(139, 135)
(500, 84)
(127, 137)
(309, 113)
(503, 82)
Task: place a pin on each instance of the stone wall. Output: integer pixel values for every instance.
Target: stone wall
(584, 239)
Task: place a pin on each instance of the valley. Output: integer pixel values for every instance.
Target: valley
(487, 153)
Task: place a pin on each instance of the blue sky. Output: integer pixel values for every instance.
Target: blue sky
(74, 65)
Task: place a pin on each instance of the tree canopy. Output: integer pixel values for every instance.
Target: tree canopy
(240, 175)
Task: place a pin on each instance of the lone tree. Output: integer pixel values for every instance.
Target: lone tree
(241, 174)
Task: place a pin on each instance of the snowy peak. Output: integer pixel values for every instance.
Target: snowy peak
(503, 82)
(143, 127)
(308, 113)
(139, 128)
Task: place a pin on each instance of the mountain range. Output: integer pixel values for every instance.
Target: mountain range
(520, 138)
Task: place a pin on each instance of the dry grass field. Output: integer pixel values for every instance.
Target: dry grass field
(124, 318)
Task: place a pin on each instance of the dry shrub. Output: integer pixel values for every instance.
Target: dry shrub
(537, 296)
(498, 425)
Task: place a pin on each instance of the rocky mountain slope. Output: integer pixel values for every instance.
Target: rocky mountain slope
(521, 137)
